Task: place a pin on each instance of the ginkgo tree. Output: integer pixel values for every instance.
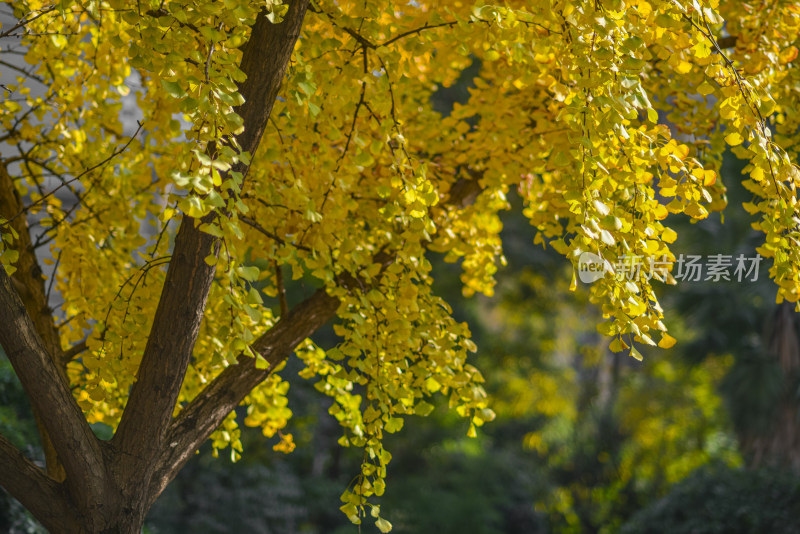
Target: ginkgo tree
(286, 140)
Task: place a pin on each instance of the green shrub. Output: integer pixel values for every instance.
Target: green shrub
(725, 501)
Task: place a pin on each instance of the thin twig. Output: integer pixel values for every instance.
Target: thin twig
(22, 23)
(78, 177)
(253, 224)
(281, 289)
(73, 351)
(52, 277)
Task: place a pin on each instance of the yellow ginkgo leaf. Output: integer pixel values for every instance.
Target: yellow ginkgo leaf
(667, 341)
(734, 139)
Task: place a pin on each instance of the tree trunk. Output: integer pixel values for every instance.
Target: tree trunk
(779, 445)
(108, 487)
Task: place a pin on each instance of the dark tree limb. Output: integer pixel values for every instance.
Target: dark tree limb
(40, 494)
(727, 42)
(169, 347)
(28, 277)
(265, 58)
(207, 411)
(29, 284)
(141, 432)
(74, 442)
(71, 353)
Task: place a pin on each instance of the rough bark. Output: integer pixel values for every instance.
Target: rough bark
(183, 299)
(140, 437)
(41, 495)
(106, 486)
(206, 412)
(110, 486)
(29, 284)
(76, 445)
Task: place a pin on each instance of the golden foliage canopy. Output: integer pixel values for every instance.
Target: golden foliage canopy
(607, 116)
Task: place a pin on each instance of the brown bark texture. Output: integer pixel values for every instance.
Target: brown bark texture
(91, 486)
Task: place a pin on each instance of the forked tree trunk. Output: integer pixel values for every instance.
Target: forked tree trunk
(92, 486)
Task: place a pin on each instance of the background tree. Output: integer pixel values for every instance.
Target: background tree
(351, 178)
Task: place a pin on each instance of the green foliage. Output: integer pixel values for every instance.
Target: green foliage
(17, 424)
(214, 497)
(16, 418)
(609, 434)
(753, 388)
(718, 500)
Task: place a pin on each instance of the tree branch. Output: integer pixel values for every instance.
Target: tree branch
(141, 431)
(727, 42)
(76, 445)
(73, 352)
(37, 492)
(29, 283)
(169, 347)
(265, 58)
(207, 411)
(28, 276)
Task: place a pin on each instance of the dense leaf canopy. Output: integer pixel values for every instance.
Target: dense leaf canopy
(124, 120)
